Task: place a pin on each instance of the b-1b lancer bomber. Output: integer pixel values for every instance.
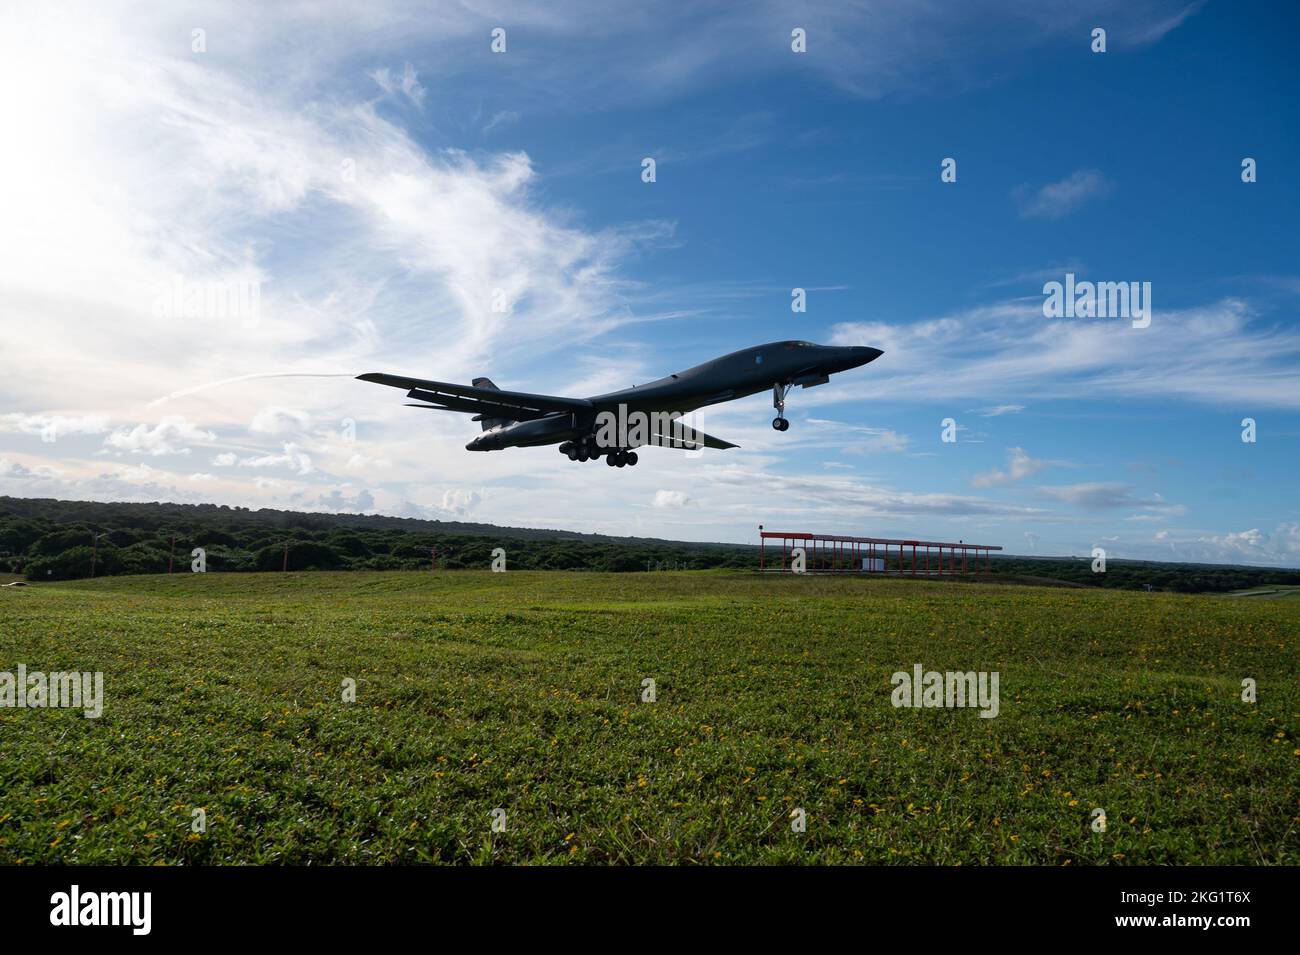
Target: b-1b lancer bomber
(614, 425)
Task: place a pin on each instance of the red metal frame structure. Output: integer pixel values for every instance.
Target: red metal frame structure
(836, 554)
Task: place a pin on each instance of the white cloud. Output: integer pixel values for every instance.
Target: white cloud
(293, 457)
(408, 84)
(1250, 546)
(377, 467)
(277, 420)
(1218, 354)
(138, 474)
(857, 439)
(1058, 199)
(18, 470)
(339, 499)
(832, 497)
(52, 427)
(459, 501)
(501, 118)
(157, 162)
(1019, 465)
(1107, 496)
(1154, 31)
(664, 498)
(170, 435)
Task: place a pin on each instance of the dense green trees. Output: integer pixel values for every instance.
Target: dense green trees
(51, 540)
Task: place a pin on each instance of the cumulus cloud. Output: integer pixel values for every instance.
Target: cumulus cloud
(1019, 465)
(277, 420)
(338, 499)
(171, 435)
(293, 457)
(52, 427)
(1250, 546)
(458, 501)
(664, 498)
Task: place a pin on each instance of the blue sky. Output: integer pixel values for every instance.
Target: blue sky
(376, 178)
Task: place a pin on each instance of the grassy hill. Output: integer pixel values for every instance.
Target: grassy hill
(523, 692)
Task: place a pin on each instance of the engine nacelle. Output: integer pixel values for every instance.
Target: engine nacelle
(522, 434)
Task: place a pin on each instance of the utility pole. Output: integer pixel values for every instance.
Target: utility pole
(433, 558)
(285, 566)
(171, 555)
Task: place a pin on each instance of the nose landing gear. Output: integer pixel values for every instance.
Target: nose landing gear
(779, 391)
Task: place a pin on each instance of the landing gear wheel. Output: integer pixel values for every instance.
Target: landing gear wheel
(779, 391)
(611, 460)
(581, 453)
(572, 454)
(620, 459)
(632, 458)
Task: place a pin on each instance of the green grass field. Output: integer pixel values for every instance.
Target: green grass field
(523, 691)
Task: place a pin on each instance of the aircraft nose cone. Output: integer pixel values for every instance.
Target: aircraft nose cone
(861, 354)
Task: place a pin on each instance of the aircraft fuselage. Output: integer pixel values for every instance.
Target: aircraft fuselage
(776, 365)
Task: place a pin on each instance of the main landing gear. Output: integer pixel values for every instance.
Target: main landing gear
(586, 451)
(779, 391)
(621, 459)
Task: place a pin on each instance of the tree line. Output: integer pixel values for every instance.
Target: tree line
(65, 540)
(46, 539)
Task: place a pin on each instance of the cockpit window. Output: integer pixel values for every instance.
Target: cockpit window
(798, 345)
